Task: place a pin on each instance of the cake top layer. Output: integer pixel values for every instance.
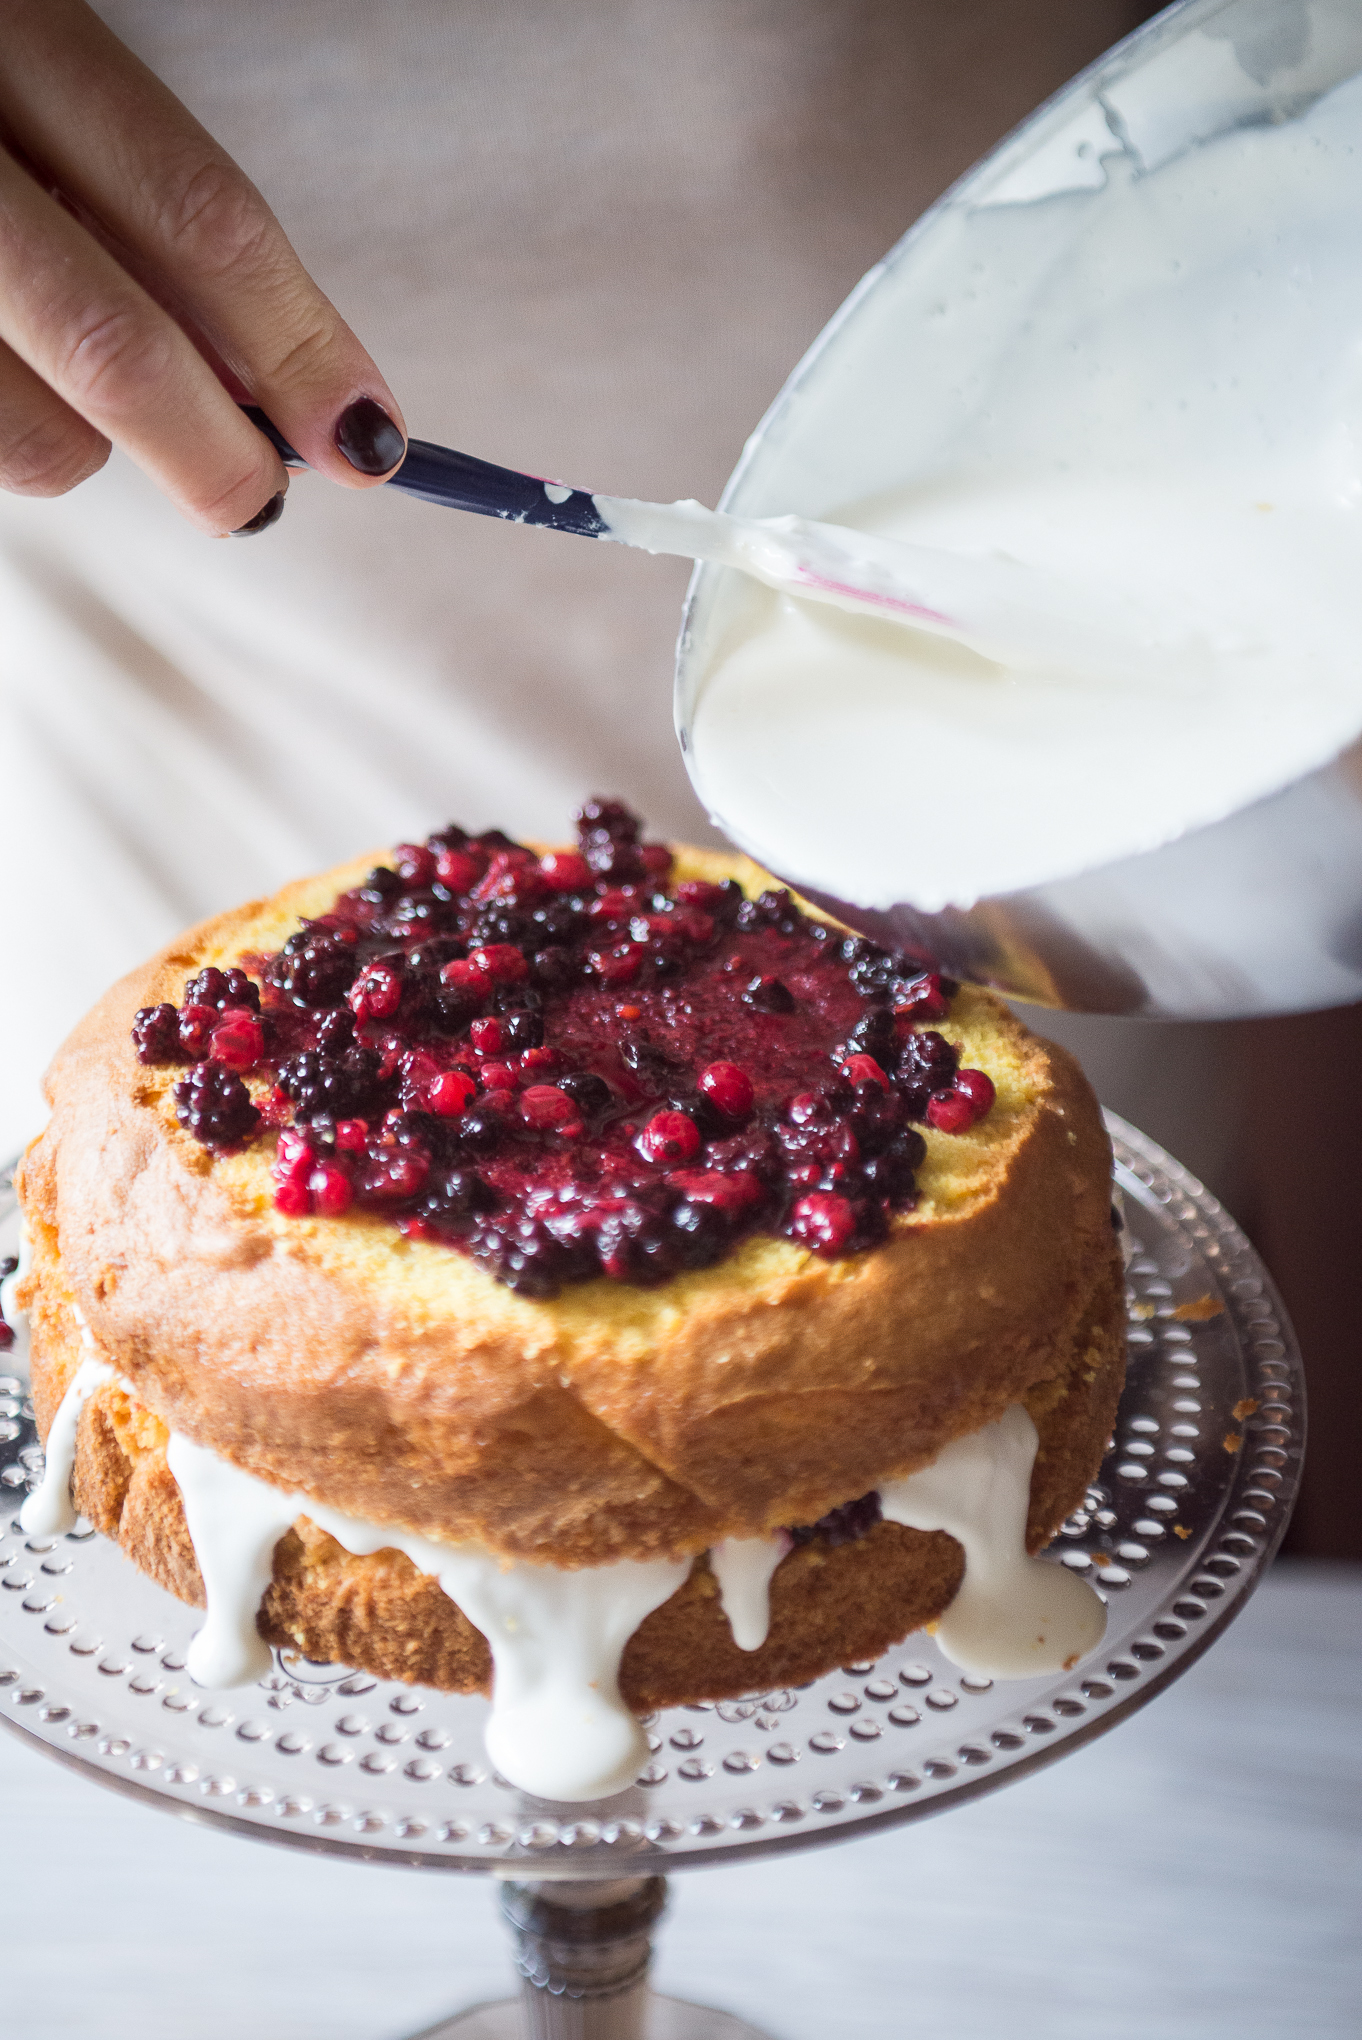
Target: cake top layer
(567, 1065)
(403, 1382)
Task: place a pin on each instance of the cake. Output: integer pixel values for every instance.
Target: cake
(591, 1241)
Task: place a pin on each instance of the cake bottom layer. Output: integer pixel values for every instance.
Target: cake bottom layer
(830, 1603)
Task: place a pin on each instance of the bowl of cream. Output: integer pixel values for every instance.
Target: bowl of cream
(1124, 354)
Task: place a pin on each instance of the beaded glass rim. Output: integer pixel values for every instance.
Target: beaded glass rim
(1189, 1506)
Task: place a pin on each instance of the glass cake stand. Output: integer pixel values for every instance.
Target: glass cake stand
(1188, 1509)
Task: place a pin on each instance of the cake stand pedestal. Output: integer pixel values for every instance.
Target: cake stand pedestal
(582, 1949)
(1187, 1510)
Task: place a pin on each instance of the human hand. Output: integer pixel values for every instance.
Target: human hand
(146, 289)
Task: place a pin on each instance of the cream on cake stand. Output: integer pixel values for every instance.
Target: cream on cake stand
(1187, 1511)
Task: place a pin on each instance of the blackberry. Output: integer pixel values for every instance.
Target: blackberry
(379, 887)
(842, 1525)
(156, 1034)
(891, 1172)
(656, 1068)
(432, 953)
(517, 998)
(451, 837)
(871, 1226)
(726, 908)
(554, 969)
(711, 1124)
(525, 1256)
(699, 1233)
(242, 990)
(876, 976)
(558, 923)
(413, 914)
(609, 818)
(451, 1007)
(927, 1063)
(392, 1176)
(824, 1141)
(345, 1085)
(482, 1131)
(501, 924)
(608, 835)
(769, 995)
(873, 1034)
(316, 967)
(588, 1092)
(521, 1030)
(754, 1151)
(772, 909)
(222, 988)
(454, 1194)
(336, 1030)
(664, 960)
(413, 1129)
(928, 1054)
(209, 988)
(876, 1117)
(613, 857)
(638, 1243)
(215, 1106)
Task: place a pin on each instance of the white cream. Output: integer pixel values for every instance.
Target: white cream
(1014, 1617)
(234, 1523)
(1175, 425)
(743, 1567)
(49, 1510)
(558, 1726)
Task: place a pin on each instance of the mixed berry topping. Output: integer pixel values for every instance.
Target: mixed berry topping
(569, 1066)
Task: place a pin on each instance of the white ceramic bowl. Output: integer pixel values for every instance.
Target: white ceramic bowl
(1257, 913)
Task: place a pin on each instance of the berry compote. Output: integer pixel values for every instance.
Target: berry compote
(569, 1065)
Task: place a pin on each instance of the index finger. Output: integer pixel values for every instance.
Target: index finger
(200, 236)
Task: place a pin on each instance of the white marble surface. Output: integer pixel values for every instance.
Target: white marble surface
(1193, 1875)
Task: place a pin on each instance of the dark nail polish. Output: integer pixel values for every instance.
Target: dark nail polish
(367, 437)
(263, 519)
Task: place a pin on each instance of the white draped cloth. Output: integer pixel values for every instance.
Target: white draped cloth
(586, 238)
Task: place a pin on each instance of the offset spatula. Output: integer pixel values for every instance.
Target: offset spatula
(1010, 613)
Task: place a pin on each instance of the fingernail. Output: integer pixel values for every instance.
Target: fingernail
(263, 519)
(367, 437)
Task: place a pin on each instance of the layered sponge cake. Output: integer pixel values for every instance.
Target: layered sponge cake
(586, 1245)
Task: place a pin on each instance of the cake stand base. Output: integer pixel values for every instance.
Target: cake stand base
(583, 1951)
(664, 2018)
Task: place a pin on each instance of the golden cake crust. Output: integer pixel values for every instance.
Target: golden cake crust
(399, 1382)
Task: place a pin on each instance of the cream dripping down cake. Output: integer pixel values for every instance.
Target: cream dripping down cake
(578, 1275)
